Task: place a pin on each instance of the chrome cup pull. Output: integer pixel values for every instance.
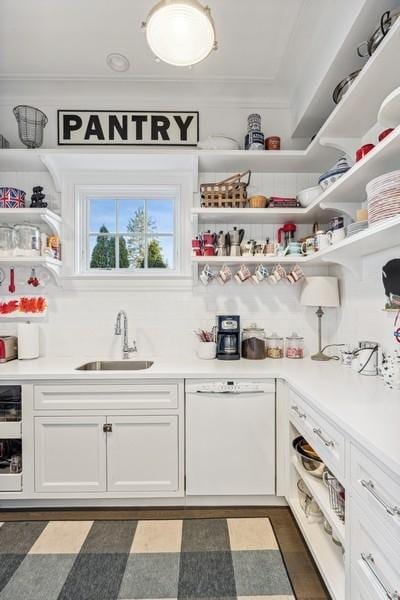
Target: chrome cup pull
(371, 565)
(369, 486)
(300, 414)
(327, 442)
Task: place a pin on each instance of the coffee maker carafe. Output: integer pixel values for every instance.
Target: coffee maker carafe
(228, 337)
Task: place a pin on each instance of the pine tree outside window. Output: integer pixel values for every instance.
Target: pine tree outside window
(131, 234)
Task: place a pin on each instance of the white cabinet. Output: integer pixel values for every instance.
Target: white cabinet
(70, 454)
(136, 454)
(142, 454)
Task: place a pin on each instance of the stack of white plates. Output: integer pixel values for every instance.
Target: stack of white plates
(354, 228)
(383, 197)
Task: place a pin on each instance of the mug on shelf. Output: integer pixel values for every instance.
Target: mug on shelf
(322, 240)
(271, 249)
(337, 235)
(224, 275)
(294, 248)
(295, 275)
(260, 274)
(308, 246)
(243, 274)
(278, 273)
(206, 275)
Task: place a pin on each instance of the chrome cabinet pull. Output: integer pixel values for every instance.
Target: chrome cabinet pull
(300, 414)
(318, 432)
(369, 486)
(370, 562)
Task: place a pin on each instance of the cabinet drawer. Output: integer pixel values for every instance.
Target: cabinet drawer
(378, 489)
(361, 590)
(11, 482)
(87, 397)
(321, 434)
(375, 556)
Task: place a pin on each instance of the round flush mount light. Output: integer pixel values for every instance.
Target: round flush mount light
(117, 62)
(180, 32)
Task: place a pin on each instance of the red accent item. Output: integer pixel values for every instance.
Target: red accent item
(363, 151)
(289, 229)
(2, 350)
(385, 133)
(11, 287)
(209, 251)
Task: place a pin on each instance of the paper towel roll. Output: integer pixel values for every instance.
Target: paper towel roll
(28, 340)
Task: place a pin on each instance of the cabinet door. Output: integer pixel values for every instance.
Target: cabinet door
(142, 454)
(70, 454)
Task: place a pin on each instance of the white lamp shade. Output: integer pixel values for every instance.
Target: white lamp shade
(180, 32)
(320, 291)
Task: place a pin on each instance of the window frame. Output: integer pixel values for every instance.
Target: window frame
(83, 195)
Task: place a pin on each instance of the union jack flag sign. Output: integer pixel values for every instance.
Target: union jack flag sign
(12, 198)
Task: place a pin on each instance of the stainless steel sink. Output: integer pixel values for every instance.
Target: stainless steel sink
(116, 365)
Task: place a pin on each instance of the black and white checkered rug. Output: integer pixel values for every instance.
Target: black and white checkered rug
(207, 559)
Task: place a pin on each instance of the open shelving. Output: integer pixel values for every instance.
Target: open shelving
(327, 556)
(33, 216)
(321, 495)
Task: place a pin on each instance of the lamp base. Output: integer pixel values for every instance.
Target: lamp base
(320, 356)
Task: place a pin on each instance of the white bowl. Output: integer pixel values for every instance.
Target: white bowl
(307, 196)
(218, 142)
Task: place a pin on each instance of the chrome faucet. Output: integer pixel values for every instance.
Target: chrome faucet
(126, 350)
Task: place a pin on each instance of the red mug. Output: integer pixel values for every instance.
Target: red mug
(363, 151)
(384, 133)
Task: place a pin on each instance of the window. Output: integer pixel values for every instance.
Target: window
(129, 231)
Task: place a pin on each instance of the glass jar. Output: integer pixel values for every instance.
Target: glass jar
(275, 346)
(253, 342)
(294, 346)
(7, 240)
(27, 240)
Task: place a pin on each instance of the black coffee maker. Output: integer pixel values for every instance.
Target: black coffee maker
(228, 337)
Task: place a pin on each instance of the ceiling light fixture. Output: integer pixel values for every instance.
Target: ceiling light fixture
(180, 32)
(117, 62)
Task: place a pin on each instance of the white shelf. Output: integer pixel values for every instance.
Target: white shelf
(348, 253)
(321, 494)
(51, 264)
(358, 110)
(327, 555)
(258, 216)
(34, 216)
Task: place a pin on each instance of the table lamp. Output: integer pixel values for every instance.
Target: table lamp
(320, 291)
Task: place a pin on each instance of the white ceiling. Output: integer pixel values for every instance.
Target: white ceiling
(71, 39)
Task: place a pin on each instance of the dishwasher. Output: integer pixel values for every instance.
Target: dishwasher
(230, 437)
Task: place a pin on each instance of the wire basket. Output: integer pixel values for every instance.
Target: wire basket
(31, 122)
(336, 495)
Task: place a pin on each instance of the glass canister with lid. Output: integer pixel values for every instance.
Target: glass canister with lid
(253, 342)
(27, 240)
(294, 346)
(7, 241)
(275, 346)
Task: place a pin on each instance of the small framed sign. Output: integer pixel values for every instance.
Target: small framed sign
(127, 128)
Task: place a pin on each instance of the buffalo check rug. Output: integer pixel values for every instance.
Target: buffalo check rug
(208, 559)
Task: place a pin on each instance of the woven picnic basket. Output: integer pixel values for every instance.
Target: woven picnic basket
(229, 193)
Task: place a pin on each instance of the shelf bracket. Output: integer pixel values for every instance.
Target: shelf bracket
(354, 265)
(348, 208)
(55, 175)
(346, 145)
(52, 222)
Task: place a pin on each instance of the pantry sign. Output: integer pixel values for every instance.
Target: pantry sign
(127, 128)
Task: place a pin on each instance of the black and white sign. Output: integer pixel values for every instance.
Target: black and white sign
(127, 127)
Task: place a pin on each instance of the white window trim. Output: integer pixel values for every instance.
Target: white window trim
(82, 195)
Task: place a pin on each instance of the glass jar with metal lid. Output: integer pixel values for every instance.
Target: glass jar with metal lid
(27, 240)
(7, 240)
(275, 346)
(294, 346)
(253, 342)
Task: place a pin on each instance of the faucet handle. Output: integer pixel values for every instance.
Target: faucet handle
(134, 347)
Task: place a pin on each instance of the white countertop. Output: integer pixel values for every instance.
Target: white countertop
(362, 406)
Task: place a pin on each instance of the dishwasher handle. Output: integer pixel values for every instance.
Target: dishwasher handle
(231, 393)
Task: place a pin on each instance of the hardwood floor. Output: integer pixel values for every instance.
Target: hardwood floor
(303, 573)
